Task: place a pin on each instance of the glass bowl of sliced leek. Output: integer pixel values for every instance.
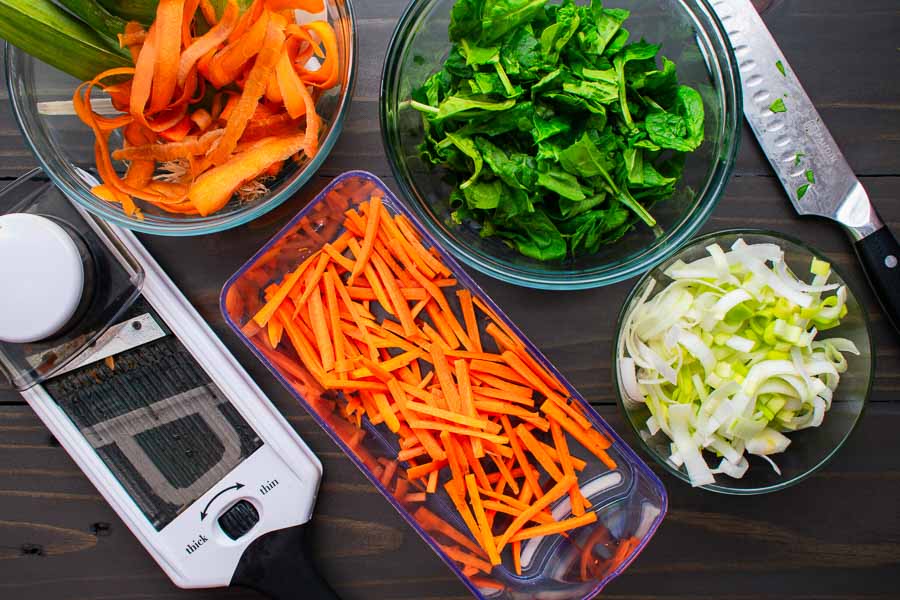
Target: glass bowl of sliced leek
(743, 362)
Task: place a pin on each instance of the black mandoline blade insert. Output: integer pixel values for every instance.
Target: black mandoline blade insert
(159, 423)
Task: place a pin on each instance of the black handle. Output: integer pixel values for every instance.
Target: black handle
(278, 565)
(879, 254)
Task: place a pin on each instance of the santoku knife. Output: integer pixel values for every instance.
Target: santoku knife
(806, 158)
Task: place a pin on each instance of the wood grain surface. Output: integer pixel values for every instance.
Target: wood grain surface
(836, 535)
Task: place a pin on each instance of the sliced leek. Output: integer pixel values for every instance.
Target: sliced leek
(726, 356)
(49, 33)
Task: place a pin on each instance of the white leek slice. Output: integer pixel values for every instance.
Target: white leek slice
(726, 356)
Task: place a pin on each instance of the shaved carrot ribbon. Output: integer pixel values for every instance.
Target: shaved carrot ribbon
(258, 56)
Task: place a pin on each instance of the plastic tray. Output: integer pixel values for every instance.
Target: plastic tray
(630, 501)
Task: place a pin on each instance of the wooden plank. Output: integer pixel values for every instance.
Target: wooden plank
(801, 548)
(832, 536)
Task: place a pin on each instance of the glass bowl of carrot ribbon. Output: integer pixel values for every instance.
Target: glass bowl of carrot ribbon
(227, 110)
(480, 444)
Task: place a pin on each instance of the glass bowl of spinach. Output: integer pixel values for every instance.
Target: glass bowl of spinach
(561, 145)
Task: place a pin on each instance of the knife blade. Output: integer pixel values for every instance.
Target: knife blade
(813, 171)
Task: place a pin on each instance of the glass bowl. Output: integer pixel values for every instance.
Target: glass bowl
(41, 100)
(811, 448)
(689, 33)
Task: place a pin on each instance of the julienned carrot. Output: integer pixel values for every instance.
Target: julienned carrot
(572, 428)
(468, 311)
(498, 370)
(484, 392)
(165, 96)
(480, 518)
(519, 453)
(517, 556)
(497, 383)
(441, 368)
(465, 558)
(368, 240)
(505, 473)
(539, 453)
(268, 310)
(448, 407)
(436, 426)
(453, 417)
(385, 409)
(551, 528)
(553, 494)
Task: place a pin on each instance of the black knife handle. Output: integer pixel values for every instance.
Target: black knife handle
(879, 254)
(278, 565)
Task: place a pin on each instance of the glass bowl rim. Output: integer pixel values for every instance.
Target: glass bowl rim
(870, 376)
(612, 272)
(188, 226)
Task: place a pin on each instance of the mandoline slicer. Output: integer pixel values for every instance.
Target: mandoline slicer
(151, 405)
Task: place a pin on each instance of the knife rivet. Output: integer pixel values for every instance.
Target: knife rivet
(890, 261)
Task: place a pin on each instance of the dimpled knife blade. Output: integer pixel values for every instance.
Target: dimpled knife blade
(816, 176)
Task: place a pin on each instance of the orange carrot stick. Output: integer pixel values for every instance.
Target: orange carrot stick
(411, 453)
(538, 453)
(453, 417)
(499, 370)
(487, 537)
(530, 479)
(488, 393)
(442, 371)
(420, 471)
(457, 496)
(565, 459)
(551, 409)
(436, 426)
(337, 336)
(320, 329)
(467, 402)
(475, 465)
(368, 243)
(537, 506)
(401, 308)
(385, 409)
(572, 413)
(505, 473)
(551, 528)
(431, 522)
(268, 310)
(443, 327)
(465, 302)
(431, 488)
(466, 559)
(415, 243)
(490, 381)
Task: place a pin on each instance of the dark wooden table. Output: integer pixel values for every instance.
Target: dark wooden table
(836, 535)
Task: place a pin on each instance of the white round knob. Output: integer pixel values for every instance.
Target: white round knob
(41, 275)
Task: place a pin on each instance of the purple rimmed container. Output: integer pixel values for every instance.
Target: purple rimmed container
(630, 501)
